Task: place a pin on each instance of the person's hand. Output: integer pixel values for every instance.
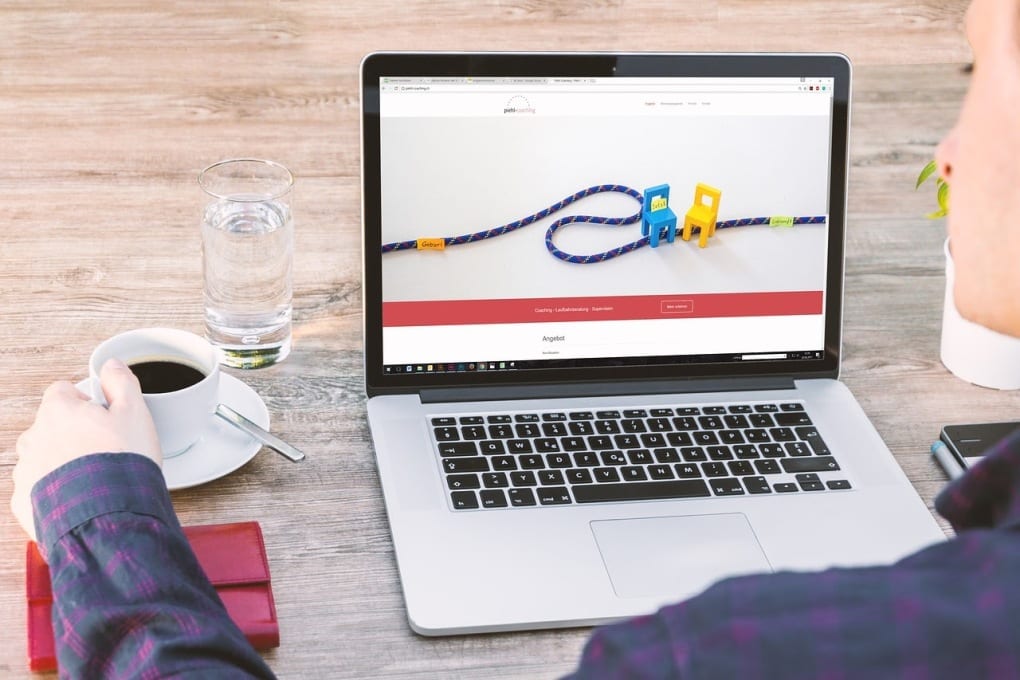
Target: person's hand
(68, 426)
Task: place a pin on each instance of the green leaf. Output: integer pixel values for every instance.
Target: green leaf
(926, 172)
(943, 198)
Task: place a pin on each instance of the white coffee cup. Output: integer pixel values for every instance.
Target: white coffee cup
(180, 415)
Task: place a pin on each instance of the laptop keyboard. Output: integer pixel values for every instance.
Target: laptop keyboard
(536, 458)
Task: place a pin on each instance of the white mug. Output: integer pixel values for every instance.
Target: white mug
(182, 414)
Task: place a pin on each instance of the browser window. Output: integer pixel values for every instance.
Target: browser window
(526, 221)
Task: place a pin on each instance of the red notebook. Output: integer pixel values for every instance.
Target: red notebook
(233, 556)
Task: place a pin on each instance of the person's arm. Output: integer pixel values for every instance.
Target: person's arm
(129, 598)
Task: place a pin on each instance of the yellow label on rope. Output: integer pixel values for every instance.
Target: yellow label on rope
(431, 244)
(781, 221)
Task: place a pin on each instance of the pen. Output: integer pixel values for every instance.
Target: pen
(941, 454)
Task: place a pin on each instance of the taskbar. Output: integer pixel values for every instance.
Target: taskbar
(536, 364)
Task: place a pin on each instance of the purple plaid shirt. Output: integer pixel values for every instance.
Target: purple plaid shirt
(948, 611)
(129, 598)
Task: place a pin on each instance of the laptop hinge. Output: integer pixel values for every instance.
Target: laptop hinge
(602, 389)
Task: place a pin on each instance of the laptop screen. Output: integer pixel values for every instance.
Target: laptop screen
(574, 224)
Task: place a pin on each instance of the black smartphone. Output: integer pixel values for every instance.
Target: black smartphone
(968, 443)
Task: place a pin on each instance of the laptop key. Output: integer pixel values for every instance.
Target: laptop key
(559, 460)
(464, 500)
(503, 463)
(523, 478)
(473, 432)
(531, 461)
(714, 470)
(446, 434)
(444, 421)
(786, 487)
(500, 432)
(645, 491)
(492, 447)
(797, 449)
(613, 458)
(519, 446)
(579, 476)
(493, 498)
(666, 455)
(606, 474)
(812, 464)
(727, 487)
(838, 484)
(520, 498)
(474, 464)
(573, 444)
(679, 439)
(556, 495)
(458, 449)
(787, 419)
(547, 445)
(550, 477)
(660, 472)
(687, 470)
(581, 428)
(793, 406)
(757, 485)
(740, 468)
(495, 480)
(459, 482)
(554, 429)
(767, 466)
(633, 473)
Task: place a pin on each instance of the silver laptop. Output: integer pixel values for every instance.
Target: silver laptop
(603, 297)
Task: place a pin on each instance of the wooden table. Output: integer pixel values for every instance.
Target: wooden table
(109, 110)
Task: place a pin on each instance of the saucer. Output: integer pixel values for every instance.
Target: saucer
(221, 448)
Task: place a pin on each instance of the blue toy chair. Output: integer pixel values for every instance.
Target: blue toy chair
(656, 214)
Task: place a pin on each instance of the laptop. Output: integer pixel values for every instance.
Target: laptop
(603, 304)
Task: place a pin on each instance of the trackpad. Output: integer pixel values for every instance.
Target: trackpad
(670, 557)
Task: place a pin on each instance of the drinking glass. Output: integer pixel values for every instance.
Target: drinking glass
(247, 260)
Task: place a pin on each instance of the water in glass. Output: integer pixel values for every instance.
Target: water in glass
(247, 256)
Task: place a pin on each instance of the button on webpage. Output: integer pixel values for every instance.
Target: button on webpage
(677, 306)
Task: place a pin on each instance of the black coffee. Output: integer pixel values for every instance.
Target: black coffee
(157, 377)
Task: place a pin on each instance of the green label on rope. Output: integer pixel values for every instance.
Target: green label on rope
(780, 221)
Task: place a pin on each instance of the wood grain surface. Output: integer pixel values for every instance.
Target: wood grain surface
(109, 109)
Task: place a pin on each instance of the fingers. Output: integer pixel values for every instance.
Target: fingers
(120, 386)
(62, 390)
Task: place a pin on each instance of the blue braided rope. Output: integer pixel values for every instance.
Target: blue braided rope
(541, 214)
(587, 219)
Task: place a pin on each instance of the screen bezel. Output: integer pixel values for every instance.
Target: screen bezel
(603, 65)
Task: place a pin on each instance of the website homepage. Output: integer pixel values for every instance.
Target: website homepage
(529, 221)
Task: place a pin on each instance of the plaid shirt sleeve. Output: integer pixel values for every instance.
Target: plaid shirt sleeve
(130, 599)
(947, 611)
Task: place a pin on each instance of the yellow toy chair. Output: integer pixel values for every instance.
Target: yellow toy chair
(703, 215)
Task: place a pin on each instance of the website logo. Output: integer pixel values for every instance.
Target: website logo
(518, 104)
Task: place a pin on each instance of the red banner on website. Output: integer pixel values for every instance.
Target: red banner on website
(617, 308)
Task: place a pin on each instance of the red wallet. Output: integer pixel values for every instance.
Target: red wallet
(233, 556)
